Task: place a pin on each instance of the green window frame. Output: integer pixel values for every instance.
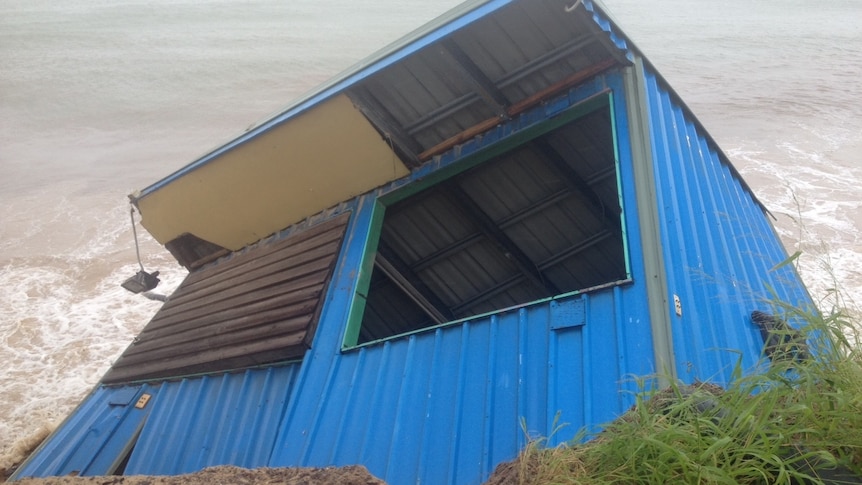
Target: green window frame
(534, 217)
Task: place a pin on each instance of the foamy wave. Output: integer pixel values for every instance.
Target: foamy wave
(64, 318)
(64, 322)
(811, 185)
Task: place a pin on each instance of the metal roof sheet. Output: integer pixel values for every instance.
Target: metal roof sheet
(464, 73)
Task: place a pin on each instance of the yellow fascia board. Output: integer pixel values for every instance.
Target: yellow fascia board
(324, 156)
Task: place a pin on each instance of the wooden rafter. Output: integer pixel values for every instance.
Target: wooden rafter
(519, 107)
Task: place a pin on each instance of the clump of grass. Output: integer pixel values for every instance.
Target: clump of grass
(798, 421)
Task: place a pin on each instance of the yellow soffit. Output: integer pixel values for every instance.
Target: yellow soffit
(311, 162)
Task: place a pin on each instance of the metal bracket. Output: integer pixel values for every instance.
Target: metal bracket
(575, 6)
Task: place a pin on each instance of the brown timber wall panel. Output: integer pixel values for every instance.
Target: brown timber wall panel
(259, 307)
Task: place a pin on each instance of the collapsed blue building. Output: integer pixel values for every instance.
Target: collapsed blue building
(501, 219)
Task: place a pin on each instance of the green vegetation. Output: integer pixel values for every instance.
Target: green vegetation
(799, 420)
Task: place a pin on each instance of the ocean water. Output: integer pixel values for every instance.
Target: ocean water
(99, 98)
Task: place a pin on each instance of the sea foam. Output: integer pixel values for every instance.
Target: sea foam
(64, 318)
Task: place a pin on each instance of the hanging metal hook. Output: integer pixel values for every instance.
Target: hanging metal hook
(575, 6)
(142, 282)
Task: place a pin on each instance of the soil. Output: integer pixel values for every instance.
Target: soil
(507, 473)
(229, 475)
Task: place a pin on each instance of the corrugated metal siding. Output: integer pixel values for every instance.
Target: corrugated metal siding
(187, 425)
(442, 406)
(91, 440)
(257, 307)
(719, 246)
(227, 419)
(445, 406)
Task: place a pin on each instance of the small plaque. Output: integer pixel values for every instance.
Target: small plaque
(142, 401)
(677, 305)
(567, 313)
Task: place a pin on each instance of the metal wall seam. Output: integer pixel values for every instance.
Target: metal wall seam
(635, 304)
(671, 169)
(348, 419)
(428, 461)
(638, 149)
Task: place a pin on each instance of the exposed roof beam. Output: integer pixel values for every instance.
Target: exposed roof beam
(448, 251)
(575, 249)
(457, 104)
(400, 273)
(599, 176)
(538, 206)
(610, 215)
(489, 293)
(471, 72)
(545, 60)
(515, 280)
(569, 82)
(402, 143)
(513, 219)
(509, 249)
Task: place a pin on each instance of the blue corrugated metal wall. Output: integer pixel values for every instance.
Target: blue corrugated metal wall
(445, 406)
(87, 443)
(719, 246)
(186, 425)
(207, 421)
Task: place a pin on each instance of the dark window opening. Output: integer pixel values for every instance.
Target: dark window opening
(540, 220)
